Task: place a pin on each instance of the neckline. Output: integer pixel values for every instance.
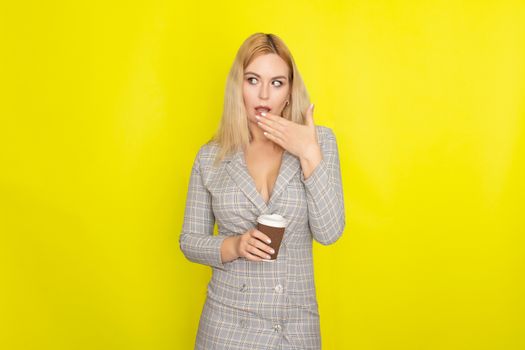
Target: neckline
(254, 185)
(237, 169)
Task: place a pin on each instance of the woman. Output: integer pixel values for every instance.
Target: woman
(267, 157)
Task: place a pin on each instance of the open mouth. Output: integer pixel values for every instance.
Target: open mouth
(260, 109)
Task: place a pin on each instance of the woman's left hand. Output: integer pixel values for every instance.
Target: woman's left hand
(300, 140)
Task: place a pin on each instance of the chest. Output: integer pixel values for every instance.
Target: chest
(263, 166)
(235, 198)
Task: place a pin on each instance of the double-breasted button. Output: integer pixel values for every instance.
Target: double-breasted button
(278, 288)
(243, 288)
(277, 328)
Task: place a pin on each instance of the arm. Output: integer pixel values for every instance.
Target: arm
(197, 241)
(324, 194)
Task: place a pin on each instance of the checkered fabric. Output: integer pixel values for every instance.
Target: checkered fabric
(261, 305)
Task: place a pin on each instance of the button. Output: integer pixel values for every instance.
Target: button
(278, 288)
(277, 328)
(244, 287)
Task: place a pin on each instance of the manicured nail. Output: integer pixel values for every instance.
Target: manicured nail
(269, 241)
(263, 114)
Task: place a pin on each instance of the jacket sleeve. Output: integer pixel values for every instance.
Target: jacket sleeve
(197, 241)
(324, 194)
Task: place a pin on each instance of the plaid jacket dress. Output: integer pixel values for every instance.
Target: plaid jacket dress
(261, 305)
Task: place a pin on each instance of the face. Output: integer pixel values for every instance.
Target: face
(266, 85)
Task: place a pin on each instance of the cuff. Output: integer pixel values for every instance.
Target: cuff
(216, 257)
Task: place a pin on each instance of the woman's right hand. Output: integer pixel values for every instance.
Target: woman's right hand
(251, 246)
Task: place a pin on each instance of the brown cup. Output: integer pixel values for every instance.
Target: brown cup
(273, 226)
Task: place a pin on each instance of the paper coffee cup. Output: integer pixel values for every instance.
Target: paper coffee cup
(273, 226)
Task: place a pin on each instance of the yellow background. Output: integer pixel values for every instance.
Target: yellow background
(105, 104)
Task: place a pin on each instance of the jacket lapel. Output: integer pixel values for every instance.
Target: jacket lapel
(290, 165)
(238, 171)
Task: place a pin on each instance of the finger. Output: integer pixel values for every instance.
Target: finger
(257, 252)
(310, 115)
(278, 133)
(274, 118)
(261, 246)
(274, 123)
(252, 257)
(274, 139)
(258, 234)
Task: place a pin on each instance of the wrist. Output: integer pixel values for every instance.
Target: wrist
(235, 246)
(229, 249)
(310, 160)
(311, 154)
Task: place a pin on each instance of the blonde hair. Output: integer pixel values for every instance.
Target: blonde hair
(233, 132)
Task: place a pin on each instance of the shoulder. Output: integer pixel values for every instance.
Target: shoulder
(206, 153)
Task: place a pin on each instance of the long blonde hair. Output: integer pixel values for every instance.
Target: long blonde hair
(233, 132)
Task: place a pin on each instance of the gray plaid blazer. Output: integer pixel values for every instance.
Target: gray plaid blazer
(261, 305)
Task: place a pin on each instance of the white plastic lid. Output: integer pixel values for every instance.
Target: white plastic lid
(273, 220)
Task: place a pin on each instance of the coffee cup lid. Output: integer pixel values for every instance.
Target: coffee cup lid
(273, 220)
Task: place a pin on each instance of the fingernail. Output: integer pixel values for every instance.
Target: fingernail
(263, 114)
(258, 118)
(269, 241)
(312, 106)
(272, 251)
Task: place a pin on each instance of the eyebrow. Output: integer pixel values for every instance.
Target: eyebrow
(257, 75)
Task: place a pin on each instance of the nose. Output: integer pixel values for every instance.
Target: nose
(263, 92)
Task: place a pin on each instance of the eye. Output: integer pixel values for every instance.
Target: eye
(250, 80)
(278, 81)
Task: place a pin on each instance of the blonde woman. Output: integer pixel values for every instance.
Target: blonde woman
(267, 157)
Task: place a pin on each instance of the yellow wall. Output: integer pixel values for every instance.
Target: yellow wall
(105, 104)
